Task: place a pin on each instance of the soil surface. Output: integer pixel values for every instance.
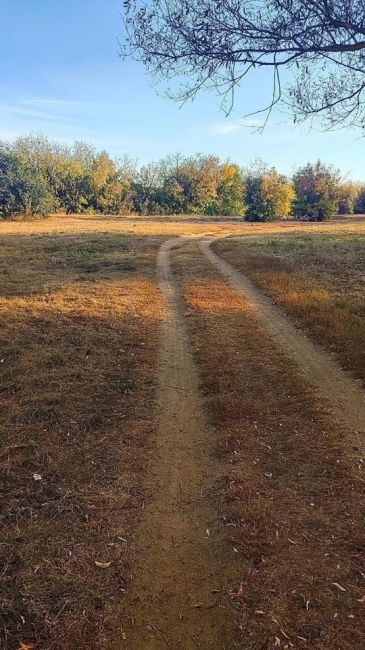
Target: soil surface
(184, 569)
(342, 393)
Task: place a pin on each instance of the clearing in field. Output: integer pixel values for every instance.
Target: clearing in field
(182, 460)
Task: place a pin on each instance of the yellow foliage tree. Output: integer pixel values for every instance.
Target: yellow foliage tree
(278, 193)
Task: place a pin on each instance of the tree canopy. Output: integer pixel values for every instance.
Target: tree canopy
(218, 43)
(39, 176)
(269, 195)
(317, 191)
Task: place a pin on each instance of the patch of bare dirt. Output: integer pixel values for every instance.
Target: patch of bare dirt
(294, 497)
(179, 595)
(344, 397)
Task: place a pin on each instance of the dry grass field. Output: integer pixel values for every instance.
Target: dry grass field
(83, 367)
(319, 280)
(293, 508)
(79, 324)
(174, 226)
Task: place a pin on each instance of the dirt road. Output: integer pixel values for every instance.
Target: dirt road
(184, 568)
(179, 596)
(341, 392)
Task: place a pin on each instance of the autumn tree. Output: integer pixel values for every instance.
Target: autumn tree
(193, 185)
(269, 195)
(74, 186)
(230, 191)
(348, 196)
(39, 176)
(198, 177)
(110, 185)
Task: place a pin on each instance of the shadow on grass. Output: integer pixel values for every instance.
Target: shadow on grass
(78, 384)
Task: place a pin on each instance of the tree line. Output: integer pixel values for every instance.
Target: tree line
(40, 177)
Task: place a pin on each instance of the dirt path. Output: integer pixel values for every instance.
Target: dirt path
(178, 597)
(344, 396)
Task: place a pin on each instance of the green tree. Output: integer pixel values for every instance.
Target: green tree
(317, 188)
(171, 198)
(23, 191)
(147, 187)
(360, 201)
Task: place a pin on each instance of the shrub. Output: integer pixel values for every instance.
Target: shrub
(23, 191)
(317, 190)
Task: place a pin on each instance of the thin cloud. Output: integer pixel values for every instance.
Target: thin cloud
(64, 105)
(48, 109)
(48, 102)
(226, 127)
(232, 126)
(21, 109)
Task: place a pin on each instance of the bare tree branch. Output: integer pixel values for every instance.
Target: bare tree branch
(217, 44)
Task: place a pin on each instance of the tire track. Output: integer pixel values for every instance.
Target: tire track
(345, 398)
(184, 568)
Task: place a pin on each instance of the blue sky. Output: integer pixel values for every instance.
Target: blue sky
(61, 75)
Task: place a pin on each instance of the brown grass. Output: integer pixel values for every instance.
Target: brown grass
(173, 226)
(319, 280)
(293, 509)
(79, 322)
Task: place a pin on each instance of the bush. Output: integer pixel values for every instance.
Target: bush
(317, 190)
(269, 195)
(360, 203)
(23, 191)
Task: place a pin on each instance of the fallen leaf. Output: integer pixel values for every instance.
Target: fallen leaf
(238, 592)
(25, 646)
